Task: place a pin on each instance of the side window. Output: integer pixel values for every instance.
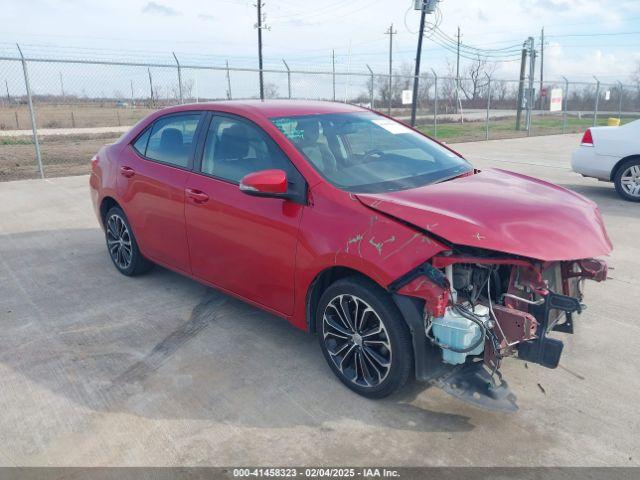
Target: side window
(141, 143)
(235, 148)
(171, 139)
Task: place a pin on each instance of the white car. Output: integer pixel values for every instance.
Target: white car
(611, 154)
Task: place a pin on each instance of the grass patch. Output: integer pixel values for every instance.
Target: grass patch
(506, 128)
(15, 141)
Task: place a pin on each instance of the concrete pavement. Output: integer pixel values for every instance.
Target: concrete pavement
(100, 369)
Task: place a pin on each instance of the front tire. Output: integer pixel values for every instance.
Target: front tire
(364, 337)
(122, 246)
(627, 180)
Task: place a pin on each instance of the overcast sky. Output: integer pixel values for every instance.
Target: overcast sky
(305, 32)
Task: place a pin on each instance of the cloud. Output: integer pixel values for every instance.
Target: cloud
(553, 5)
(206, 17)
(154, 7)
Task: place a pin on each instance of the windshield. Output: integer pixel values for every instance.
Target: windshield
(368, 153)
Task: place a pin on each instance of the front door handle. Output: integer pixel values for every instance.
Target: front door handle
(196, 195)
(127, 172)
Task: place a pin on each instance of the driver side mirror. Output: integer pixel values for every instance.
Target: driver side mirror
(265, 183)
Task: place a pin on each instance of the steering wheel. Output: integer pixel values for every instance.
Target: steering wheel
(372, 152)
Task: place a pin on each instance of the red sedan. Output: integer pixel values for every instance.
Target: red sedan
(403, 258)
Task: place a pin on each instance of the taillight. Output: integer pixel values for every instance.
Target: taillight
(587, 139)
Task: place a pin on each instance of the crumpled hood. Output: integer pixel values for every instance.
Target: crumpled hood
(504, 211)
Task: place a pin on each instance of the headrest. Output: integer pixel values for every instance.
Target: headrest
(233, 143)
(171, 139)
(310, 130)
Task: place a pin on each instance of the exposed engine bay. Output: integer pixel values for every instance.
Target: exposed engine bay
(481, 307)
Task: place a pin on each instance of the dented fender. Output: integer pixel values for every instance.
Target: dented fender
(361, 239)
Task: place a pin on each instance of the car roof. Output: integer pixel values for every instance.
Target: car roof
(272, 108)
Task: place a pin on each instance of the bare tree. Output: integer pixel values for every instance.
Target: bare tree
(402, 80)
(270, 90)
(500, 90)
(475, 80)
(635, 76)
(447, 92)
(187, 88)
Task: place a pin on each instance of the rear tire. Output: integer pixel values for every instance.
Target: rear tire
(122, 246)
(364, 338)
(627, 180)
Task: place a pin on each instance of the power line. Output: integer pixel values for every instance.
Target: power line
(476, 56)
(467, 47)
(612, 34)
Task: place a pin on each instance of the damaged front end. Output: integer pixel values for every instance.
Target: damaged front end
(469, 309)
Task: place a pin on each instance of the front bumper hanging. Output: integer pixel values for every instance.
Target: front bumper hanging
(543, 349)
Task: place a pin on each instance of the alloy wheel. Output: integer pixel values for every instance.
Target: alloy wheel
(630, 181)
(356, 340)
(119, 241)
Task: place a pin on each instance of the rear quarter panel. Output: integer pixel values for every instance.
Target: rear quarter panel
(104, 176)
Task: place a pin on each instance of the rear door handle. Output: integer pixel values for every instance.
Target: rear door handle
(127, 172)
(196, 195)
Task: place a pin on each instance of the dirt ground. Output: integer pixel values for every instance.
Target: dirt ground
(71, 116)
(61, 155)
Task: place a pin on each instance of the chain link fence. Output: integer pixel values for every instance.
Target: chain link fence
(56, 113)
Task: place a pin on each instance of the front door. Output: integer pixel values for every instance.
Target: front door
(243, 244)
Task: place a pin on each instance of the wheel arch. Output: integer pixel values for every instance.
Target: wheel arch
(107, 204)
(321, 282)
(426, 360)
(619, 163)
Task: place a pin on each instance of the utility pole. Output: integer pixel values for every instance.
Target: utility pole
(416, 78)
(523, 62)
(541, 68)
(132, 97)
(532, 68)
(458, 72)
(6, 84)
(61, 86)
(259, 25)
(391, 33)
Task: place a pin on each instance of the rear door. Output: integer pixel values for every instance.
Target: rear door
(153, 174)
(244, 244)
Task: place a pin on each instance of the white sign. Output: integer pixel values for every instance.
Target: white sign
(407, 97)
(555, 104)
(607, 95)
(392, 126)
